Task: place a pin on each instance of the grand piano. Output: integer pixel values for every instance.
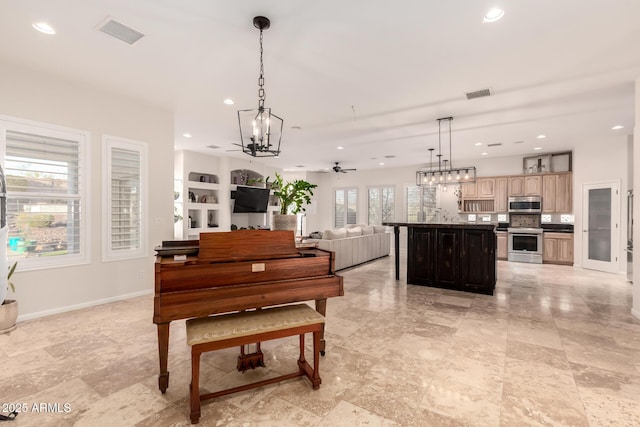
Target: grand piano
(233, 271)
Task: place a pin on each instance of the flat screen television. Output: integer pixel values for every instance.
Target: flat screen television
(250, 200)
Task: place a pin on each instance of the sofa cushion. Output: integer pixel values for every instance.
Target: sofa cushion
(355, 231)
(367, 230)
(380, 229)
(340, 233)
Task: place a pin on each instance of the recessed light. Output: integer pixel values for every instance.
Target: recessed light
(187, 135)
(616, 127)
(537, 148)
(228, 101)
(541, 136)
(493, 15)
(484, 154)
(340, 148)
(381, 163)
(43, 27)
(477, 144)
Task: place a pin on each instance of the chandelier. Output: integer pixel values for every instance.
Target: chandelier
(445, 173)
(260, 129)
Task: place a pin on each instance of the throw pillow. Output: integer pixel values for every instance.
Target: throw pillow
(380, 229)
(340, 233)
(367, 230)
(355, 231)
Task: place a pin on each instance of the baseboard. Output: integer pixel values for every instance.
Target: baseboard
(22, 318)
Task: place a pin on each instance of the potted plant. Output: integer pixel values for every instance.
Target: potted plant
(292, 197)
(9, 307)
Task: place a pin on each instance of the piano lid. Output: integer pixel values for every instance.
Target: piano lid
(247, 245)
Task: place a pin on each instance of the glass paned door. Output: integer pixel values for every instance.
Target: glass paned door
(600, 230)
(600, 224)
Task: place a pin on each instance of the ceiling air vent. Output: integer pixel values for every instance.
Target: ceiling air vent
(213, 147)
(478, 93)
(120, 31)
(497, 144)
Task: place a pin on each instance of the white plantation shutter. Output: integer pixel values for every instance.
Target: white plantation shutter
(352, 206)
(413, 204)
(421, 204)
(381, 204)
(125, 224)
(45, 173)
(339, 209)
(345, 206)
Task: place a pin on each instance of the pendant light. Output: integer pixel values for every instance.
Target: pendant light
(447, 173)
(260, 129)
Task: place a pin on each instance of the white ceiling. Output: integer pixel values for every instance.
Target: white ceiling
(371, 76)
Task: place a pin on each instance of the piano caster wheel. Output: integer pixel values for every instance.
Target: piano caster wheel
(322, 353)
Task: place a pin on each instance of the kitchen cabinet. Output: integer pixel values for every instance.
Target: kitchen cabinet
(502, 245)
(533, 185)
(502, 194)
(557, 248)
(557, 193)
(549, 183)
(469, 190)
(485, 188)
(564, 193)
(516, 186)
(525, 185)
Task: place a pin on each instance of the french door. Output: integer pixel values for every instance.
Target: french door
(600, 226)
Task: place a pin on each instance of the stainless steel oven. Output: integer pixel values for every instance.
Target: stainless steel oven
(528, 204)
(525, 245)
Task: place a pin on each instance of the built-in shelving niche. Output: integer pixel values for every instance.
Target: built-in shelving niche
(202, 206)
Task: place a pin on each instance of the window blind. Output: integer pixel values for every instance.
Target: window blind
(44, 177)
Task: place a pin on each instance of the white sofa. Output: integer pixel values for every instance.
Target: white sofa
(356, 244)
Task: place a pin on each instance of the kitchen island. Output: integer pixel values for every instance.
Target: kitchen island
(452, 256)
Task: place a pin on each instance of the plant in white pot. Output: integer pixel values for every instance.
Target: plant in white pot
(292, 196)
(9, 307)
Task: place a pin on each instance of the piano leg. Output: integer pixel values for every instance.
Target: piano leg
(321, 307)
(163, 353)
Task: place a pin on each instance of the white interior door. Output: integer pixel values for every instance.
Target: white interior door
(600, 226)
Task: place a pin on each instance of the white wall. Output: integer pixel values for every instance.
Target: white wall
(31, 95)
(598, 160)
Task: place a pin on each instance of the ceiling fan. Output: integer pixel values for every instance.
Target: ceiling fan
(338, 168)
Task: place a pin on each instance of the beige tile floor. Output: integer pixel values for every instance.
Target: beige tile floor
(554, 346)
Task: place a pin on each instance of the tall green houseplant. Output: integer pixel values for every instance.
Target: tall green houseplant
(293, 196)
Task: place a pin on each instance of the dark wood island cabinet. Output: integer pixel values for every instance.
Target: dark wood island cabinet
(451, 256)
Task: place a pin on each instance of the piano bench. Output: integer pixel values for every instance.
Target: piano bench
(230, 330)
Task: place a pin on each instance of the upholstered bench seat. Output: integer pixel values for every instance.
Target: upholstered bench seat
(237, 329)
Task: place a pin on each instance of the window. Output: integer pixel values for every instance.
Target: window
(47, 207)
(421, 204)
(124, 192)
(345, 207)
(381, 204)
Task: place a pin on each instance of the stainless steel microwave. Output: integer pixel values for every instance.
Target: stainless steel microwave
(528, 204)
